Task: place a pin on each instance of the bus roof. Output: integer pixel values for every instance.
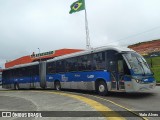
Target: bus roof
(94, 50)
(22, 65)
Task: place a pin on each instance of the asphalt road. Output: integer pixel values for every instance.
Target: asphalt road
(38, 100)
(143, 101)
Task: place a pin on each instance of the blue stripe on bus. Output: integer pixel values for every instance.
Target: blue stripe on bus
(79, 76)
(22, 80)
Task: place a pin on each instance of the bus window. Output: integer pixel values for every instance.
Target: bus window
(9, 75)
(99, 61)
(84, 62)
(112, 60)
(120, 66)
(51, 67)
(71, 64)
(34, 70)
(19, 73)
(60, 66)
(25, 71)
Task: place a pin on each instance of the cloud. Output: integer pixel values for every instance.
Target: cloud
(26, 25)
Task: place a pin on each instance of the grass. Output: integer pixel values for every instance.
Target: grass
(154, 63)
(156, 71)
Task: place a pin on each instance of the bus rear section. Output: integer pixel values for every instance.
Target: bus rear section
(21, 77)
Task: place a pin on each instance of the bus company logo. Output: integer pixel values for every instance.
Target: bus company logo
(50, 78)
(77, 75)
(145, 80)
(6, 114)
(90, 76)
(64, 78)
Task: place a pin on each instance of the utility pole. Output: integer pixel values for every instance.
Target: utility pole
(88, 45)
(39, 55)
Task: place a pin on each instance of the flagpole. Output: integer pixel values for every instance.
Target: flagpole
(88, 46)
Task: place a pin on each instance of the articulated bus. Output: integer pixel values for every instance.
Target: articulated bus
(101, 69)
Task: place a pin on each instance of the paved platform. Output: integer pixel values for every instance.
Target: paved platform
(38, 101)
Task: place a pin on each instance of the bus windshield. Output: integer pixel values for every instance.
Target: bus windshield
(138, 63)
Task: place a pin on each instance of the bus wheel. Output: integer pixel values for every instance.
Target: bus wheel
(16, 86)
(57, 85)
(102, 88)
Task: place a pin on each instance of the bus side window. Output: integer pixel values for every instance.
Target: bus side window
(120, 66)
(34, 70)
(60, 66)
(80, 64)
(19, 72)
(9, 74)
(111, 59)
(23, 72)
(68, 65)
(37, 69)
(51, 67)
(84, 62)
(71, 64)
(99, 61)
(126, 69)
(88, 62)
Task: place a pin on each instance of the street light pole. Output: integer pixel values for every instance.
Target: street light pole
(39, 54)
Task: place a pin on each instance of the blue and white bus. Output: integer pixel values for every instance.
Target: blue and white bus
(101, 69)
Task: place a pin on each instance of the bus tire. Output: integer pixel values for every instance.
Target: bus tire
(57, 85)
(16, 86)
(102, 88)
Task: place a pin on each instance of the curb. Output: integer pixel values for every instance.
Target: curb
(157, 84)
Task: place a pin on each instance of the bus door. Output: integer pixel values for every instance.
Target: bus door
(115, 67)
(121, 72)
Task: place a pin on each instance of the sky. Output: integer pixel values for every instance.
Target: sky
(26, 25)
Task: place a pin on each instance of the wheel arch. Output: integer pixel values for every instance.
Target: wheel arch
(97, 82)
(55, 84)
(56, 80)
(16, 85)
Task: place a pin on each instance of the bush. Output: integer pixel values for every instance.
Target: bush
(156, 71)
(154, 63)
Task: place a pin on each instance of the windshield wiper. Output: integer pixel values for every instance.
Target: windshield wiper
(146, 64)
(140, 63)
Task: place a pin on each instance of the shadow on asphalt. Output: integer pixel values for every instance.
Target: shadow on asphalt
(138, 95)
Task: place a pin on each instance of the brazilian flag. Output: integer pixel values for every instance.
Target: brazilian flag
(77, 6)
